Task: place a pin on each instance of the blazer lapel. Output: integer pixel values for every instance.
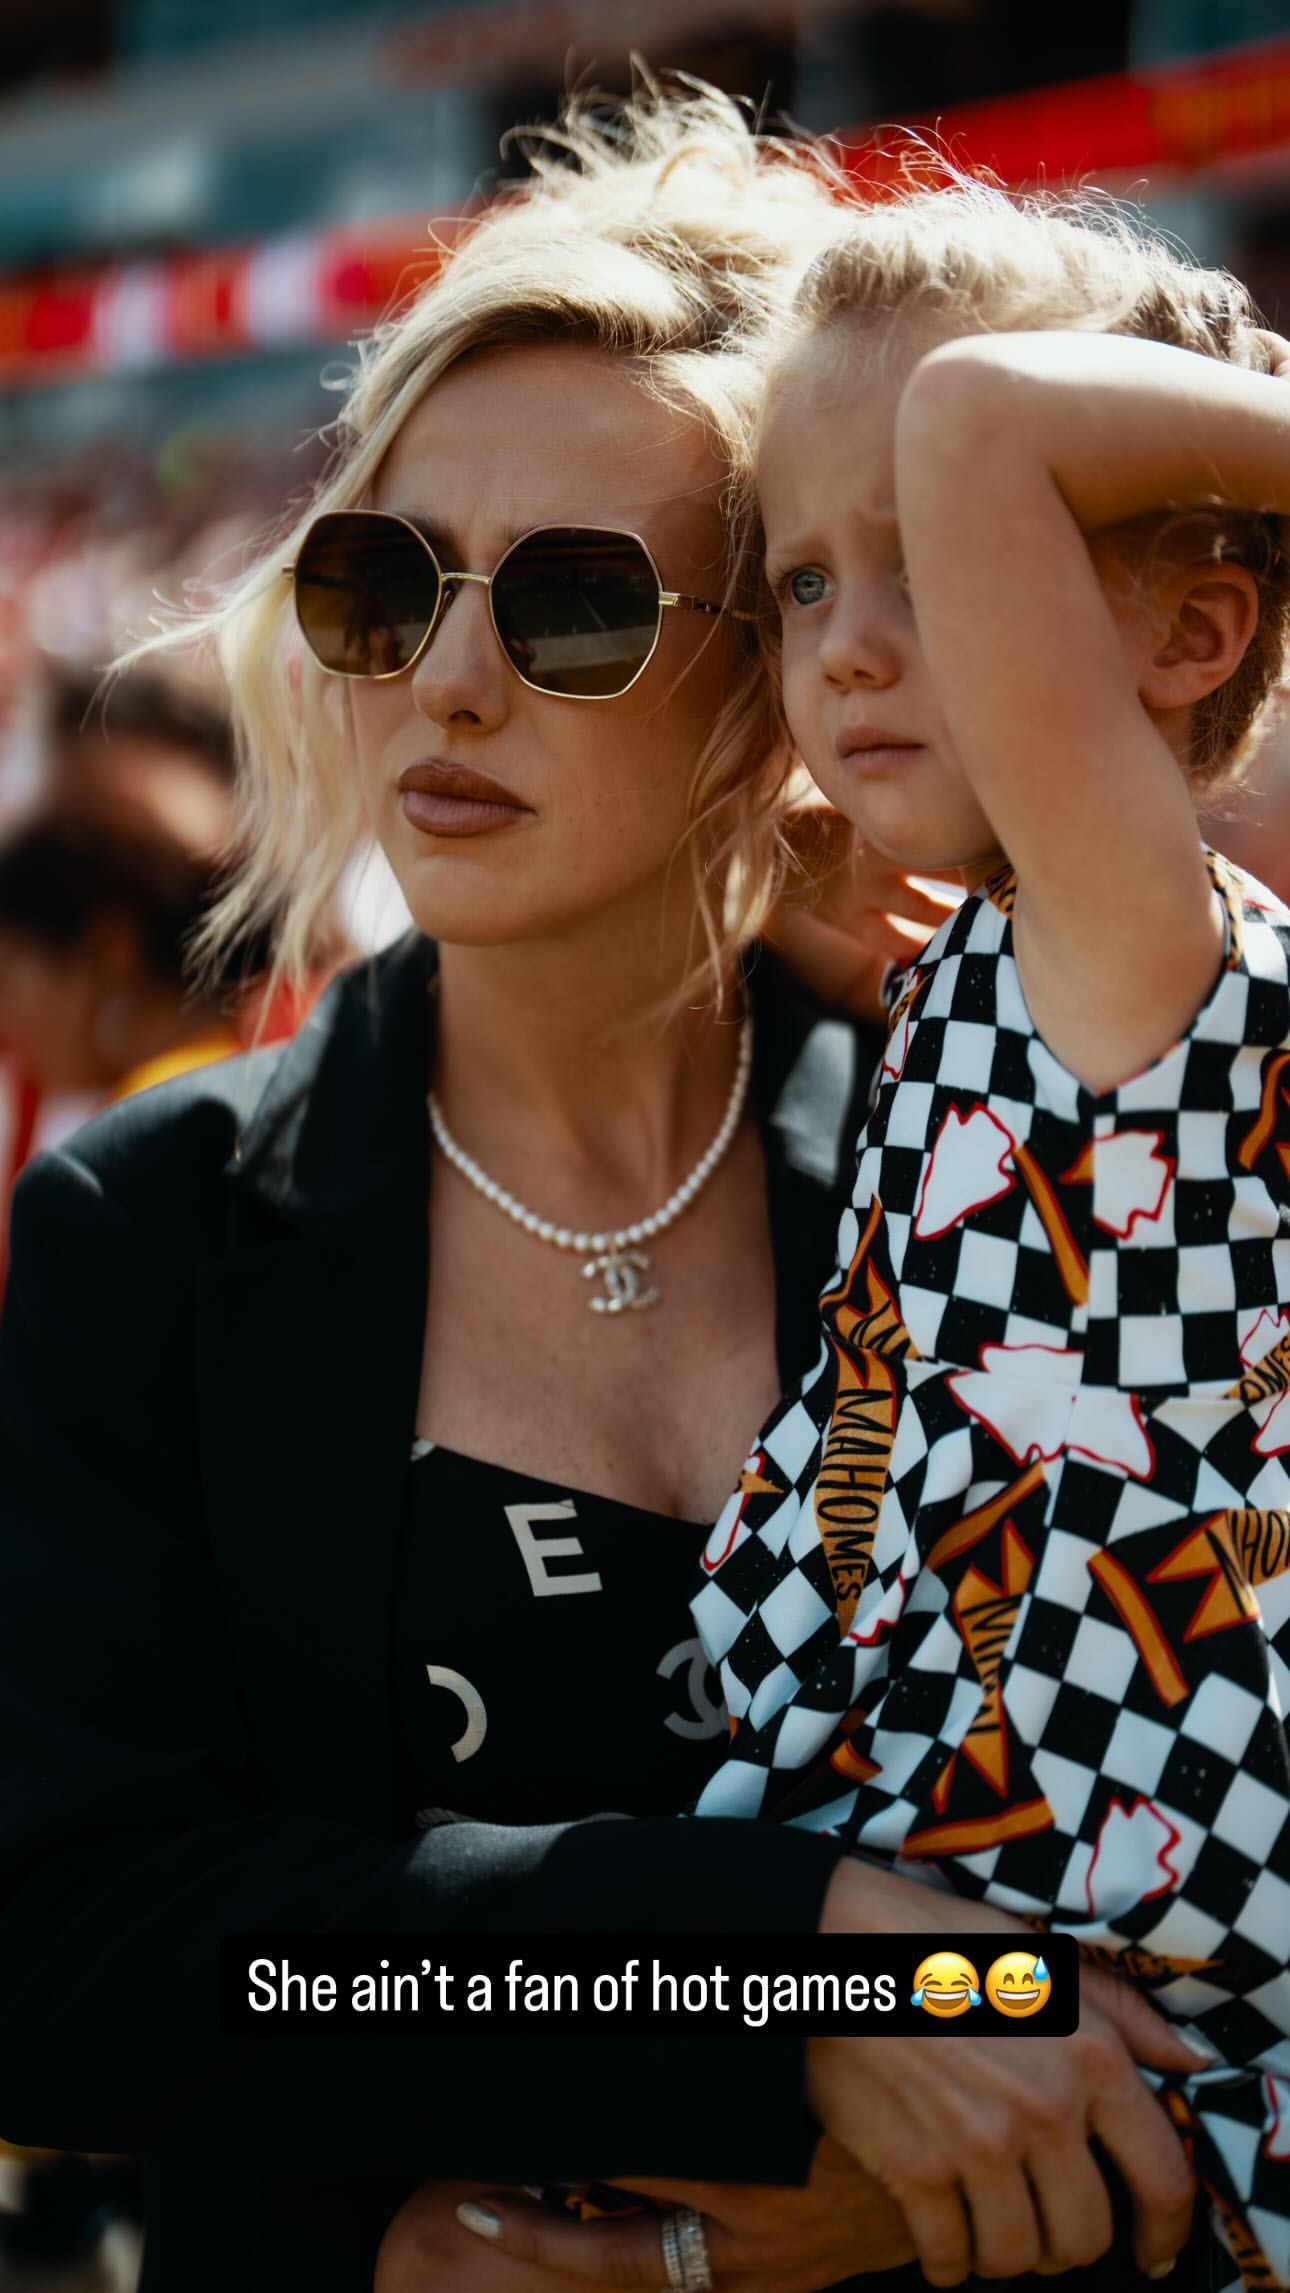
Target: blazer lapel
(309, 1347)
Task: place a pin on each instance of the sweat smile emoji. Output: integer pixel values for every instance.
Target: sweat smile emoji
(1018, 1984)
(945, 1985)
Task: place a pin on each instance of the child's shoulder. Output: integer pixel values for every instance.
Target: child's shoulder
(1258, 921)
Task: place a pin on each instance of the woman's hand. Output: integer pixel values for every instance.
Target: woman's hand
(984, 2142)
(848, 913)
(426, 2249)
(759, 2240)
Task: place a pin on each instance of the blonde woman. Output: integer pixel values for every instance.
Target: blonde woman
(305, 1547)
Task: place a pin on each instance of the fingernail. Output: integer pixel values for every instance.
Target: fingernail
(1157, 2269)
(488, 2224)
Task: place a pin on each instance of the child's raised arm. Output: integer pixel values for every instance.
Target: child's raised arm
(1067, 659)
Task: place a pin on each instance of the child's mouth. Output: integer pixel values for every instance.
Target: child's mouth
(865, 754)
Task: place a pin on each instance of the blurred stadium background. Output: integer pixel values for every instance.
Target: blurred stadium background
(202, 202)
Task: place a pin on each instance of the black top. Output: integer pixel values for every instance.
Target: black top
(197, 1713)
(546, 1663)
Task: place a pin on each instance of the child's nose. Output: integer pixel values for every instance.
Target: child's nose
(861, 645)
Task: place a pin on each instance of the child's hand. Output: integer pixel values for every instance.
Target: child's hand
(1278, 350)
(848, 913)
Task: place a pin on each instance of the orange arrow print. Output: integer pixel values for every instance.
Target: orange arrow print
(754, 1481)
(1142, 1965)
(852, 1479)
(854, 1468)
(1268, 1377)
(1236, 1551)
(1261, 1131)
(1257, 2274)
(985, 1614)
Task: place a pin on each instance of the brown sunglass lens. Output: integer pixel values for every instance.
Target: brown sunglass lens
(366, 593)
(577, 611)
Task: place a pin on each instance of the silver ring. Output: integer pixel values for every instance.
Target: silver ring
(672, 2261)
(685, 2252)
(693, 2241)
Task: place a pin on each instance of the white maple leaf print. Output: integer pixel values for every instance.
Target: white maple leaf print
(1277, 2095)
(1264, 1332)
(1130, 1180)
(1274, 1433)
(1032, 1401)
(967, 1167)
(1131, 1859)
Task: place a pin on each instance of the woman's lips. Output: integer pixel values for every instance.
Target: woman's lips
(451, 800)
(456, 815)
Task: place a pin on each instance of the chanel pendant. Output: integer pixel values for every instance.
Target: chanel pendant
(624, 1292)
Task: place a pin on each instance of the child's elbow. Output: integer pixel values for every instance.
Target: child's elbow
(955, 394)
(956, 435)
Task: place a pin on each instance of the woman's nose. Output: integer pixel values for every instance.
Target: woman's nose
(462, 673)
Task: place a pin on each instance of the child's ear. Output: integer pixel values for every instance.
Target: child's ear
(1213, 612)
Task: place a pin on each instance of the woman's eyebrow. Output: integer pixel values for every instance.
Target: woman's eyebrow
(440, 537)
(448, 547)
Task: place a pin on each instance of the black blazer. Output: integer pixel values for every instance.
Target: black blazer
(208, 1372)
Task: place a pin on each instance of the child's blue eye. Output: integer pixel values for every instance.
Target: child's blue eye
(805, 587)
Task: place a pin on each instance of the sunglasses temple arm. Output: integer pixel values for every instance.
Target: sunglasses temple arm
(704, 605)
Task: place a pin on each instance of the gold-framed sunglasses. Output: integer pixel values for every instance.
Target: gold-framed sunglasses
(577, 609)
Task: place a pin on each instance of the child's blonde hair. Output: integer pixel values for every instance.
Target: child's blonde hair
(978, 258)
(666, 233)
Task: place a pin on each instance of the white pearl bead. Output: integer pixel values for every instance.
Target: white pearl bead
(623, 1237)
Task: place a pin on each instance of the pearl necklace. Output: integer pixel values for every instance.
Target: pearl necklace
(616, 1255)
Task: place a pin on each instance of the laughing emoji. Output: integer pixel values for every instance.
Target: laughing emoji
(1018, 1984)
(946, 1985)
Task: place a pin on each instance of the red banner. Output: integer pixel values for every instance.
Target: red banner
(320, 287)
(1188, 117)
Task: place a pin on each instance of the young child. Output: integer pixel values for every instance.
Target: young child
(1005, 1589)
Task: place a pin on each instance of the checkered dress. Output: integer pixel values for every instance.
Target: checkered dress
(1005, 1587)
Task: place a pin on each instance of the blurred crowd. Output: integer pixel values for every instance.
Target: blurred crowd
(116, 797)
(95, 550)
(116, 815)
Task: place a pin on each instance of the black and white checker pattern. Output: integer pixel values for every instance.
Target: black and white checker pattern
(1065, 1679)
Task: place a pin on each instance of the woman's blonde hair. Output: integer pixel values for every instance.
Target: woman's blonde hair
(664, 232)
(978, 258)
